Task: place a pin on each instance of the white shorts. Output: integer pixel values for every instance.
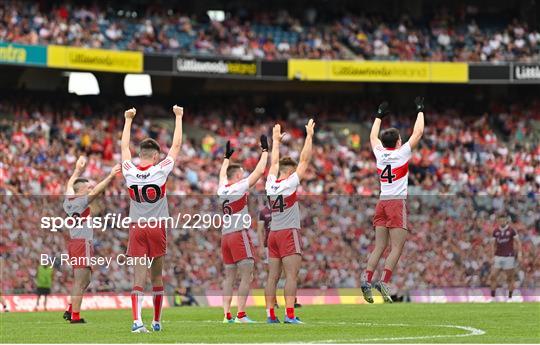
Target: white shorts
(504, 262)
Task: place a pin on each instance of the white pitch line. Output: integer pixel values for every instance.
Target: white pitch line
(472, 332)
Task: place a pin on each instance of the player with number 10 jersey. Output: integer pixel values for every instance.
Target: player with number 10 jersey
(147, 210)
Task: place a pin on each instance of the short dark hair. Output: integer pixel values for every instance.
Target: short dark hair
(232, 169)
(148, 147)
(77, 181)
(286, 163)
(390, 137)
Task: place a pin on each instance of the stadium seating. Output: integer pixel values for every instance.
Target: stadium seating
(274, 35)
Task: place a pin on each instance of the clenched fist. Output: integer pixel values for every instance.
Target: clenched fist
(130, 113)
(178, 111)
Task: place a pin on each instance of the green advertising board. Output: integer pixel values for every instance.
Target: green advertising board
(13, 53)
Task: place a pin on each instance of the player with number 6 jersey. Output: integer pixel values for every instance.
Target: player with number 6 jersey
(236, 246)
(147, 235)
(284, 244)
(390, 220)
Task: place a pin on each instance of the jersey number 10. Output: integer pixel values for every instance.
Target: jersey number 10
(148, 193)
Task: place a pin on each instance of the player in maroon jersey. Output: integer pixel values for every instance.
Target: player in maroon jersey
(506, 244)
(263, 230)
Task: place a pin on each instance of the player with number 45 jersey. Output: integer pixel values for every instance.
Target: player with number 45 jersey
(147, 236)
(390, 220)
(284, 244)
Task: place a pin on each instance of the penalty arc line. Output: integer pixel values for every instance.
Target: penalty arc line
(471, 332)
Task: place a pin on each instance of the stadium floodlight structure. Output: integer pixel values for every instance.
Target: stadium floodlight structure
(138, 85)
(83, 84)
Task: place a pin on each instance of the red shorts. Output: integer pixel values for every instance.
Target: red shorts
(282, 243)
(391, 214)
(147, 241)
(236, 246)
(82, 250)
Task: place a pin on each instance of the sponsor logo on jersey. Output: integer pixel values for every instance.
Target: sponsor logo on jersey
(143, 176)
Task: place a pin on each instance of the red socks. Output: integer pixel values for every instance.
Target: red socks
(69, 310)
(75, 316)
(241, 314)
(290, 313)
(157, 291)
(228, 316)
(387, 275)
(137, 296)
(368, 275)
(270, 313)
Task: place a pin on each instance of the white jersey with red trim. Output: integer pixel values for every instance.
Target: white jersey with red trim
(234, 201)
(393, 170)
(76, 206)
(283, 202)
(146, 187)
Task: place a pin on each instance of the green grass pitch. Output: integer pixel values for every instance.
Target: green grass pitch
(389, 323)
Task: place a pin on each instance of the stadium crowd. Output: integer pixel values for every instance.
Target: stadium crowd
(439, 36)
(467, 169)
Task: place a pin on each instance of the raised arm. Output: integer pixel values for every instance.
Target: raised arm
(226, 160)
(274, 158)
(79, 167)
(418, 129)
(382, 111)
(100, 187)
(261, 165)
(126, 134)
(305, 155)
(177, 137)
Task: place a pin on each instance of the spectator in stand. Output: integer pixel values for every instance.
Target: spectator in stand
(271, 35)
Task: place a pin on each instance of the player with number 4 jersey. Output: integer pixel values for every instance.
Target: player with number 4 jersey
(284, 244)
(236, 246)
(146, 185)
(390, 220)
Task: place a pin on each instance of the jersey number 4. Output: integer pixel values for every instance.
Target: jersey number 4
(387, 175)
(278, 204)
(148, 193)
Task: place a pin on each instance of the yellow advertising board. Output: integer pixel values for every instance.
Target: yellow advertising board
(94, 59)
(376, 71)
(449, 72)
(308, 69)
(379, 71)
